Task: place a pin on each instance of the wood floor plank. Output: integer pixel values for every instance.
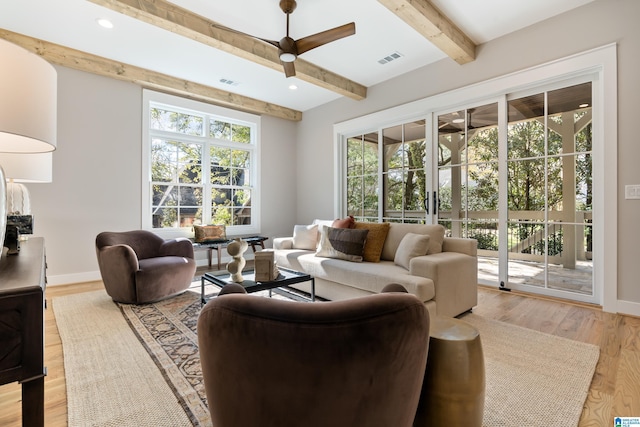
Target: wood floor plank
(631, 331)
(627, 393)
(597, 410)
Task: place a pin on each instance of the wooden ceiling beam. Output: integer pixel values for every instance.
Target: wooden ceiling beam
(185, 23)
(83, 61)
(425, 18)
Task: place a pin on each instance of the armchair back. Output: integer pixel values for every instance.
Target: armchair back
(144, 243)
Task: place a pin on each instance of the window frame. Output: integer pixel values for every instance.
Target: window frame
(209, 112)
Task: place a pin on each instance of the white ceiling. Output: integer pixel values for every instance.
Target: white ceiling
(379, 33)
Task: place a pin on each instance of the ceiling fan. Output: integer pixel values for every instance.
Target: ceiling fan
(290, 48)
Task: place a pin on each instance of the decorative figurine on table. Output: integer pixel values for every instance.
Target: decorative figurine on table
(236, 249)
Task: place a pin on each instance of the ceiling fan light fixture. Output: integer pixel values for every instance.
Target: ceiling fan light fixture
(287, 57)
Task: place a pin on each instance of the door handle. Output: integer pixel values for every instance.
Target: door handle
(436, 203)
(425, 202)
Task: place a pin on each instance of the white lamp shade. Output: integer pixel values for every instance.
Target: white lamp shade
(27, 167)
(28, 101)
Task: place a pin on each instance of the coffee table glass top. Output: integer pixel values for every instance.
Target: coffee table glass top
(285, 278)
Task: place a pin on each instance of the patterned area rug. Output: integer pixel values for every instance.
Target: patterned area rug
(533, 379)
(167, 330)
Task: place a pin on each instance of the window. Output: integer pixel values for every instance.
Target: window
(201, 166)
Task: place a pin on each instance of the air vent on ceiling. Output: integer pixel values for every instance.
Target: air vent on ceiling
(391, 57)
(229, 82)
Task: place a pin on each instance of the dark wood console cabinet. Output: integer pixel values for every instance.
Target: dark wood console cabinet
(22, 287)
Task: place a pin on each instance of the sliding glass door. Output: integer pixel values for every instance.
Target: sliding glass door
(468, 181)
(403, 172)
(516, 176)
(549, 190)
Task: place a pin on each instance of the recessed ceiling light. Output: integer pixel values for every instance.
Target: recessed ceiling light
(457, 121)
(583, 105)
(104, 23)
(293, 87)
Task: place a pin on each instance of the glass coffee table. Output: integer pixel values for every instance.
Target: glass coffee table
(285, 278)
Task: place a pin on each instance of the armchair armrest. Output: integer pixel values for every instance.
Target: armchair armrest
(119, 261)
(462, 245)
(180, 246)
(283, 243)
(118, 268)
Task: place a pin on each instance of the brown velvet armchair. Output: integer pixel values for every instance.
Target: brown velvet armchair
(140, 267)
(268, 362)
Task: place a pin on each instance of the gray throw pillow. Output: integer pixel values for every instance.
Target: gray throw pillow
(342, 243)
(411, 246)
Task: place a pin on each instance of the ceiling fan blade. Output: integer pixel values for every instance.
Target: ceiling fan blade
(289, 69)
(271, 42)
(310, 42)
(231, 30)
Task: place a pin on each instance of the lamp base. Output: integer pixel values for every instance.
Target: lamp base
(12, 240)
(23, 222)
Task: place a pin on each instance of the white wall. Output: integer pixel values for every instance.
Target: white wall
(97, 174)
(596, 24)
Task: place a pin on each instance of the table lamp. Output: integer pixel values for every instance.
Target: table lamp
(28, 110)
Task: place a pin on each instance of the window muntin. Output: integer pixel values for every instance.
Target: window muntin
(202, 168)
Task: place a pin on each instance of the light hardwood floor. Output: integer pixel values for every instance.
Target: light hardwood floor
(615, 389)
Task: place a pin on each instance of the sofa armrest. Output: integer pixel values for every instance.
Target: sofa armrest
(455, 276)
(461, 245)
(180, 246)
(283, 243)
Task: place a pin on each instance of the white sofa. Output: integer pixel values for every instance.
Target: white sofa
(445, 278)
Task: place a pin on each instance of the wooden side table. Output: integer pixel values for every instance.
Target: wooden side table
(253, 241)
(454, 383)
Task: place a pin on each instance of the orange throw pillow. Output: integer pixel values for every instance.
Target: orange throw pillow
(375, 239)
(347, 222)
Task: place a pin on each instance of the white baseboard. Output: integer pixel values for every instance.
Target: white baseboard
(67, 279)
(628, 307)
(92, 276)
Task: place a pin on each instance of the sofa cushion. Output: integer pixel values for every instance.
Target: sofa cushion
(305, 236)
(341, 243)
(411, 246)
(398, 230)
(375, 239)
(371, 277)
